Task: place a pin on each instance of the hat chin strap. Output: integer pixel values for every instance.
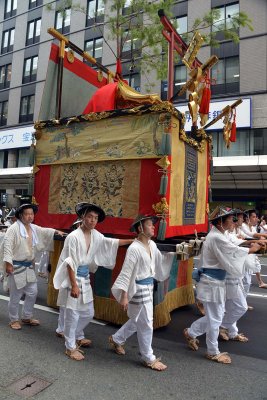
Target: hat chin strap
(142, 231)
(221, 226)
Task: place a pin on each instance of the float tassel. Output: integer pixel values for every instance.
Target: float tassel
(162, 229)
(163, 185)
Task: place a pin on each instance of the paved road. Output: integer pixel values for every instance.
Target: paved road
(106, 376)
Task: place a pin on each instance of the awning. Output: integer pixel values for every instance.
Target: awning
(246, 172)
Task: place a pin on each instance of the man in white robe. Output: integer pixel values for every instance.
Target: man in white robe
(218, 256)
(60, 324)
(236, 304)
(22, 240)
(84, 250)
(249, 230)
(133, 289)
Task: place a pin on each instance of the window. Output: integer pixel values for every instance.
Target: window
(95, 9)
(226, 76)
(260, 141)
(133, 81)
(5, 76)
(179, 76)
(26, 108)
(224, 20)
(242, 147)
(63, 20)
(2, 156)
(129, 43)
(10, 8)
(33, 31)
(127, 3)
(95, 48)
(3, 113)
(181, 25)
(35, 3)
(8, 40)
(30, 69)
(23, 157)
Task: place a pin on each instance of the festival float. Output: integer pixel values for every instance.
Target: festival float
(100, 141)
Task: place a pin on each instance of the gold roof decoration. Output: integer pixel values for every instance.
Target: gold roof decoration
(127, 93)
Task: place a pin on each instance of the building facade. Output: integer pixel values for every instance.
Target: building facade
(239, 174)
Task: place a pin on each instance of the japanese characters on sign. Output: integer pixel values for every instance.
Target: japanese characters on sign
(16, 138)
(243, 119)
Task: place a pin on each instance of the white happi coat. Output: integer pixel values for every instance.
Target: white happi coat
(255, 265)
(219, 253)
(139, 265)
(248, 230)
(232, 283)
(102, 251)
(15, 247)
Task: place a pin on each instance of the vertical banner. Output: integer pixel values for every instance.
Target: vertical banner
(190, 185)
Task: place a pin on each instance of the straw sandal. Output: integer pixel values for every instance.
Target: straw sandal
(31, 322)
(84, 342)
(118, 348)
(15, 325)
(223, 334)
(240, 337)
(156, 365)
(192, 343)
(75, 354)
(222, 358)
(60, 334)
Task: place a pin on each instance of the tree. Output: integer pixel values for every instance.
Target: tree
(135, 24)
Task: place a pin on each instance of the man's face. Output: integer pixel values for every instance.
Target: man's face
(253, 219)
(240, 219)
(228, 223)
(148, 228)
(27, 216)
(232, 227)
(90, 220)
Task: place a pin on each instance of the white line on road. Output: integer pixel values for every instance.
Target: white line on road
(257, 295)
(48, 309)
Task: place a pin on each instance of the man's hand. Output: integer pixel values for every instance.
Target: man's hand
(254, 247)
(124, 301)
(60, 233)
(9, 269)
(75, 291)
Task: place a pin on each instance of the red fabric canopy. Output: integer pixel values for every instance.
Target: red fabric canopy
(104, 99)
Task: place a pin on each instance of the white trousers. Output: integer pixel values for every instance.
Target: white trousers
(234, 310)
(74, 324)
(43, 262)
(210, 325)
(142, 324)
(247, 282)
(30, 291)
(61, 317)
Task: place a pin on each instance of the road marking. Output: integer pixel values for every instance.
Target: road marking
(257, 295)
(249, 294)
(50, 310)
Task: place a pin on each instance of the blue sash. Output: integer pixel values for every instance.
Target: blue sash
(211, 272)
(146, 281)
(83, 271)
(21, 263)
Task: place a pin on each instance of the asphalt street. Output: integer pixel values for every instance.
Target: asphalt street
(103, 375)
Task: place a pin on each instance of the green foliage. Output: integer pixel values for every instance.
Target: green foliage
(139, 28)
